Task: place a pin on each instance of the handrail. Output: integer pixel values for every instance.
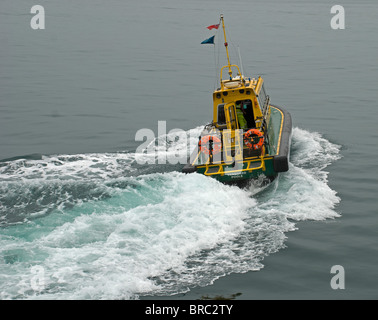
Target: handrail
(232, 65)
(223, 172)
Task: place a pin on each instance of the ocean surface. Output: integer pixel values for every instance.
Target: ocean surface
(82, 218)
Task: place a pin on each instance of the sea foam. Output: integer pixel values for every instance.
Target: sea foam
(99, 226)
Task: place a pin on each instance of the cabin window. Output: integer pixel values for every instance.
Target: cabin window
(221, 116)
(263, 99)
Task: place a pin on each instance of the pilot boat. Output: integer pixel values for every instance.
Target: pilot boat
(249, 137)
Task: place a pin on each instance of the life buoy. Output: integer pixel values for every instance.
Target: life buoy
(204, 144)
(253, 142)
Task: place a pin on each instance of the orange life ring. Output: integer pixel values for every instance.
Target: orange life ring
(204, 144)
(254, 142)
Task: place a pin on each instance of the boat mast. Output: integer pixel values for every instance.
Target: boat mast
(226, 45)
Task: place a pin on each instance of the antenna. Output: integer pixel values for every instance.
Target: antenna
(241, 63)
